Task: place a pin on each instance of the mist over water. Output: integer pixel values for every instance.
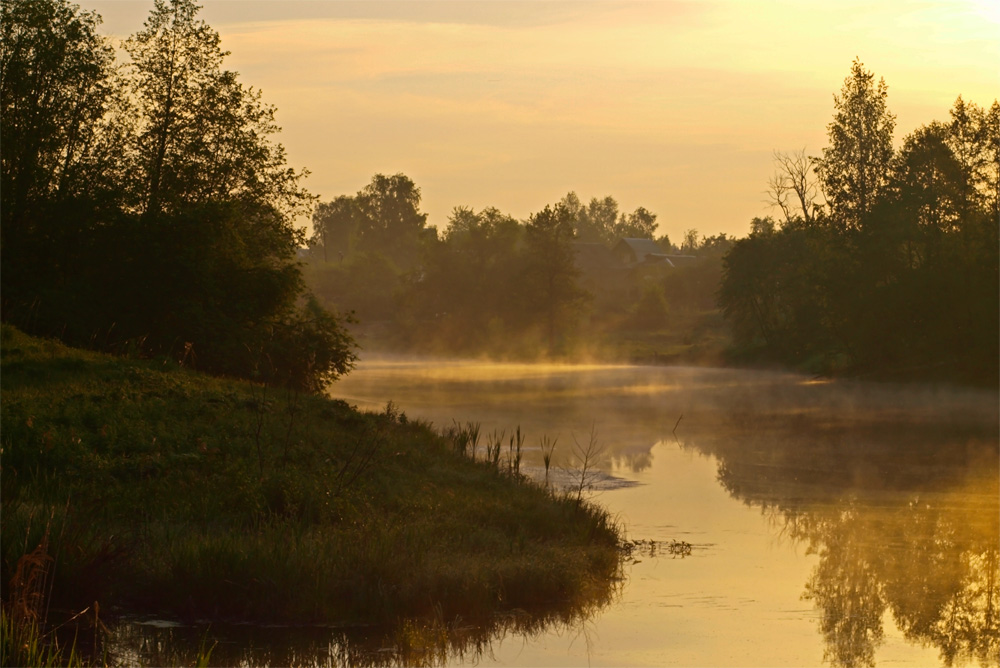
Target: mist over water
(829, 523)
(832, 522)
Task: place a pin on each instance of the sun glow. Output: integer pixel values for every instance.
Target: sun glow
(658, 104)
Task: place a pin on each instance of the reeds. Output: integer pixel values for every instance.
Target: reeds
(465, 439)
(548, 447)
(23, 641)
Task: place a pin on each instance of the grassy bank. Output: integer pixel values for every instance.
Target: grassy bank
(165, 491)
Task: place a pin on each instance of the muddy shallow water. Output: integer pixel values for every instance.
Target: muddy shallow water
(829, 523)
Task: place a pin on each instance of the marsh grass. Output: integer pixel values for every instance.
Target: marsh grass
(24, 638)
(548, 447)
(587, 456)
(191, 496)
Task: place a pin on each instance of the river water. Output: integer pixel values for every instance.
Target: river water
(829, 523)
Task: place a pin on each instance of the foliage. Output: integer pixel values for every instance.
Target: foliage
(855, 166)
(202, 136)
(390, 220)
(550, 288)
(335, 226)
(55, 79)
(365, 284)
(600, 222)
(146, 207)
(900, 275)
(471, 280)
(490, 284)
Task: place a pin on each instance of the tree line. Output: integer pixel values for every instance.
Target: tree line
(146, 205)
(882, 261)
(490, 283)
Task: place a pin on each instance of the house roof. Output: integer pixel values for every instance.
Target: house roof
(680, 260)
(639, 250)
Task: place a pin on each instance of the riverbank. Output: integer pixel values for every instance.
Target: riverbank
(152, 488)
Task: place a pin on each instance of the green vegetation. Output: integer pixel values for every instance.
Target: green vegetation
(546, 287)
(884, 264)
(159, 489)
(897, 274)
(146, 206)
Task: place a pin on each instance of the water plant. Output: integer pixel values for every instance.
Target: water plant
(587, 456)
(514, 446)
(23, 639)
(548, 447)
(494, 445)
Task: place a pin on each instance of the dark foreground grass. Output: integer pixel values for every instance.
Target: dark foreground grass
(165, 491)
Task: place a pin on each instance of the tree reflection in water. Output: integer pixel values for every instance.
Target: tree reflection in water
(412, 642)
(904, 519)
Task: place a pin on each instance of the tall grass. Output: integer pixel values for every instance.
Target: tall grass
(23, 613)
(191, 496)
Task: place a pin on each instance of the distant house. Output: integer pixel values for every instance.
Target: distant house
(635, 252)
(681, 260)
(631, 252)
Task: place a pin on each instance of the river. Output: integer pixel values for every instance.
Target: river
(829, 522)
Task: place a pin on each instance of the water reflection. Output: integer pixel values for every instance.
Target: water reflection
(878, 506)
(893, 488)
(412, 642)
(903, 517)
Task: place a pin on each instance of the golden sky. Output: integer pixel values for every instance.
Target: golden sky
(675, 105)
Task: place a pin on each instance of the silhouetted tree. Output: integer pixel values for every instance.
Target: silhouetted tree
(640, 224)
(55, 79)
(551, 289)
(149, 211)
(56, 169)
(470, 283)
(793, 188)
(690, 243)
(391, 221)
(202, 135)
(855, 166)
(974, 137)
(335, 226)
(906, 277)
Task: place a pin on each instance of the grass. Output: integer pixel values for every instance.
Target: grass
(169, 492)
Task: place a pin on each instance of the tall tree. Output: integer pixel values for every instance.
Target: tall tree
(55, 78)
(89, 151)
(391, 221)
(929, 184)
(551, 287)
(690, 243)
(335, 225)
(854, 168)
(640, 224)
(469, 283)
(992, 180)
(793, 188)
(202, 135)
(974, 136)
(57, 176)
(598, 220)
